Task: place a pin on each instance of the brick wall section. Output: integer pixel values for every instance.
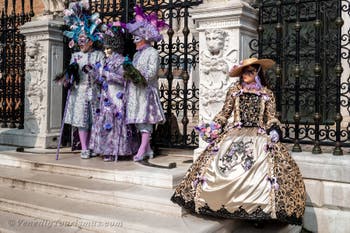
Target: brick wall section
(38, 6)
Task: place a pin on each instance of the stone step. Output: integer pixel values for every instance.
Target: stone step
(95, 168)
(103, 218)
(98, 191)
(15, 223)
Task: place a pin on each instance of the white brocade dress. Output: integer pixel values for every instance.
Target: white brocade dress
(82, 102)
(243, 174)
(143, 103)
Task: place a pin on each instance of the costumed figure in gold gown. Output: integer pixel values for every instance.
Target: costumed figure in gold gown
(245, 172)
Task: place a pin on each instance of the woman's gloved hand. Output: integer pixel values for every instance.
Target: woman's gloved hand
(274, 135)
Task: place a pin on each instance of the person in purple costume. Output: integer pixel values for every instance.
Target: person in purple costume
(144, 108)
(85, 33)
(110, 136)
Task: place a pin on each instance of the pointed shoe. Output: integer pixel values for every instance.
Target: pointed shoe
(139, 158)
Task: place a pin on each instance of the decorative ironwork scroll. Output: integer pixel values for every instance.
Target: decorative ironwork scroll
(12, 63)
(310, 44)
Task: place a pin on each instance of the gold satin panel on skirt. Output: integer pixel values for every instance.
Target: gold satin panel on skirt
(237, 187)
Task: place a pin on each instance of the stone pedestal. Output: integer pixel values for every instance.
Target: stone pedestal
(43, 98)
(327, 182)
(225, 30)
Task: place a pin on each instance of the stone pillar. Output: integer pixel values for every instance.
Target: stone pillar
(225, 30)
(43, 98)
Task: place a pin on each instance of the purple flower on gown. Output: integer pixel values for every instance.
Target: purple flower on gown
(101, 79)
(273, 182)
(120, 95)
(106, 68)
(107, 102)
(248, 163)
(98, 111)
(105, 86)
(200, 179)
(118, 115)
(97, 65)
(238, 125)
(231, 152)
(107, 126)
(215, 149)
(261, 131)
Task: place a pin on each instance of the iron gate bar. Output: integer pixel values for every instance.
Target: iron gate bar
(12, 72)
(317, 117)
(185, 76)
(170, 76)
(306, 41)
(338, 71)
(12, 83)
(3, 68)
(296, 147)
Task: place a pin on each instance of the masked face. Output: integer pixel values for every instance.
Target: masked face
(249, 74)
(82, 40)
(108, 51)
(137, 39)
(85, 44)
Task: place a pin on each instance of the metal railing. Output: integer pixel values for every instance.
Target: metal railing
(12, 63)
(310, 44)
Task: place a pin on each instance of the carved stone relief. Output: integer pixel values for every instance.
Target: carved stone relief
(215, 62)
(35, 87)
(54, 7)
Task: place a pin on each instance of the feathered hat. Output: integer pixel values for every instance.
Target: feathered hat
(114, 36)
(81, 22)
(237, 70)
(146, 26)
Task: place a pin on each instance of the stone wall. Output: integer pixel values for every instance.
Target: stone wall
(38, 6)
(327, 181)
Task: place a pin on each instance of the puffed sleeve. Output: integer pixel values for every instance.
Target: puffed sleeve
(227, 109)
(150, 71)
(97, 66)
(115, 74)
(270, 113)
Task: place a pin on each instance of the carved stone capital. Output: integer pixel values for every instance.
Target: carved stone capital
(54, 7)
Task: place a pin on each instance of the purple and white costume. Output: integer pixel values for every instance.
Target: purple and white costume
(110, 135)
(143, 103)
(82, 101)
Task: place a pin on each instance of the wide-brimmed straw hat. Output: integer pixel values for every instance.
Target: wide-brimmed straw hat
(237, 70)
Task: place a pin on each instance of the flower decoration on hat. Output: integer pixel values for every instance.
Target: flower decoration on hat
(146, 26)
(83, 26)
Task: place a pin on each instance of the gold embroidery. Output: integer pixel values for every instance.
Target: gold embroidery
(291, 195)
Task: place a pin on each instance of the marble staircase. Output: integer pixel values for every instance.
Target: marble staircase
(41, 194)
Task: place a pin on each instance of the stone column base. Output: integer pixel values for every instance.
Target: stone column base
(18, 137)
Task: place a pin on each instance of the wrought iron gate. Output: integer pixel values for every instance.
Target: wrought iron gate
(179, 57)
(310, 44)
(12, 63)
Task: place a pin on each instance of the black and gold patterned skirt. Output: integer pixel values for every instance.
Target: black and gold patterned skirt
(244, 175)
